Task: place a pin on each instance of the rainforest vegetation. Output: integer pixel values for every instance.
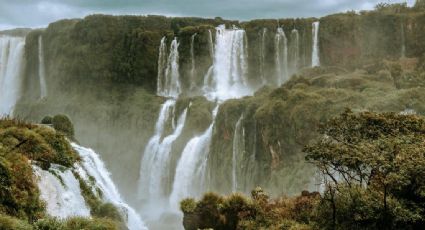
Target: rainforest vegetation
(373, 169)
(355, 123)
(24, 146)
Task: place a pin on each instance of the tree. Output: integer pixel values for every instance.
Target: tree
(371, 157)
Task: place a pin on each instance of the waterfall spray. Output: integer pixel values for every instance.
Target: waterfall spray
(172, 81)
(93, 167)
(281, 56)
(168, 70)
(229, 75)
(61, 192)
(211, 44)
(150, 184)
(315, 59)
(262, 54)
(295, 50)
(11, 66)
(191, 167)
(41, 69)
(238, 149)
(162, 62)
(192, 58)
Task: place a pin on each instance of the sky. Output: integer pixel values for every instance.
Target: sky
(39, 13)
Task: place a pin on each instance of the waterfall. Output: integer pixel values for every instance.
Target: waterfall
(315, 59)
(92, 166)
(168, 70)
(238, 148)
(61, 192)
(150, 178)
(211, 44)
(190, 172)
(295, 50)
(262, 54)
(41, 68)
(403, 42)
(229, 77)
(162, 62)
(281, 55)
(11, 66)
(192, 58)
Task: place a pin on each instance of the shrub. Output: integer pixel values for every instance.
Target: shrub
(63, 124)
(47, 120)
(109, 211)
(188, 205)
(9, 223)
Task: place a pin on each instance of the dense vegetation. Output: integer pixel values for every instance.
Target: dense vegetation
(22, 145)
(373, 178)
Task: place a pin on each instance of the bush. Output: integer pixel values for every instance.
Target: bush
(188, 205)
(63, 124)
(47, 120)
(109, 211)
(9, 223)
(48, 224)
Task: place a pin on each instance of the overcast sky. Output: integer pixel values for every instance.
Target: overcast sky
(39, 13)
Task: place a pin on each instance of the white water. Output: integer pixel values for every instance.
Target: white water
(190, 172)
(281, 56)
(62, 200)
(11, 66)
(263, 54)
(229, 77)
(238, 148)
(211, 44)
(150, 184)
(295, 50)
(315, 60)
(193, 64)
(162, 65)
(93, 166)
(41, 69)
(168, 70)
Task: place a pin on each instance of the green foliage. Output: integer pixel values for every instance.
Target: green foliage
(47, 120)
(63, 124)
(76, 223)
(188, 205)
(374, 165)
(21, 142)
(258, 212)
(9, 223)
(108, 211)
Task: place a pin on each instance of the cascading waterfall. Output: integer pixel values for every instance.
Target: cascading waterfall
(238, 149)
(162, 65)
(11, 66)
(281, 56)
(295, 50)
(191, 167)
(150, 184)
(208, 81)
(92, 166)
(229, 76)
(193, 64)
(262, 54)
(41, 68)
(61, 192)
(315, 59)
(211, 44)
(168, 74)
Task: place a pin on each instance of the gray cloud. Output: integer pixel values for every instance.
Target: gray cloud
(39, 13)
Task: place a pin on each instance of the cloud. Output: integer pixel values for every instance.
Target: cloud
(39, 13)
